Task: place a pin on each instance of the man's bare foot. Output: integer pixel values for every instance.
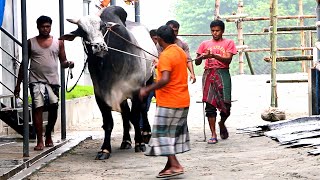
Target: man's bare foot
(38, 147)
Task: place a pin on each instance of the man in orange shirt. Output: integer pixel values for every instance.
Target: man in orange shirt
(170, 134)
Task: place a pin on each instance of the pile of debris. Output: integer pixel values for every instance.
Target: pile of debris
(300, 132)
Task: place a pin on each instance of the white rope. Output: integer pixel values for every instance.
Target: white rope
(129, 53)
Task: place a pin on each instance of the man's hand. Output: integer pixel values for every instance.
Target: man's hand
(193, 78)
(155, 62)
(70, 64)
(143, 93)
(17, 91)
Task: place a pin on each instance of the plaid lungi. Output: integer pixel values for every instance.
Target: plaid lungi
(216, 87)
(170, 134)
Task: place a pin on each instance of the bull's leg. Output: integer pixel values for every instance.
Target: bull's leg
(135, 118)
(107, 126)
(125, 113)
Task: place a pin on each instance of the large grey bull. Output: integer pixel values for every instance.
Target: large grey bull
(120, 55)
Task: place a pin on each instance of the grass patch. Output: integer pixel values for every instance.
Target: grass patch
(80, 91)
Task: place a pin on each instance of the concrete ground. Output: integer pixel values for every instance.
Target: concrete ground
(239, 157)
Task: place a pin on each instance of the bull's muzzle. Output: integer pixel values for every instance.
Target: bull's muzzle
(99, 49)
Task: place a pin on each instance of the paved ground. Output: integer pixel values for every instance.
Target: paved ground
(239, 157)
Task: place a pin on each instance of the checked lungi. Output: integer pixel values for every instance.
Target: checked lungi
(170, 134)
(216, 86)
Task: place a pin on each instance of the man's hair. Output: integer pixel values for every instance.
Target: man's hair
(153, 32)
(44, 19)
(174, 24)
(166, 33)
(217, 23)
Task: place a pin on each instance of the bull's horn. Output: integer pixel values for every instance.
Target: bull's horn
(74, 21)
(100, 11)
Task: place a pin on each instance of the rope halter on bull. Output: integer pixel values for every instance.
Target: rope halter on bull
(109, 29)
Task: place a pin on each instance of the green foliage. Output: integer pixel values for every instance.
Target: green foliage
(80, 91)
(195, 17)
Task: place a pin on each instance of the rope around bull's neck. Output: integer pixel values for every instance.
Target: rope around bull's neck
(109, 29)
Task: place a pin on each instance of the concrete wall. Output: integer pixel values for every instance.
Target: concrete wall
(79, 111)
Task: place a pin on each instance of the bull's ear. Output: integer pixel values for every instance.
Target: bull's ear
(100, 11)
(68, 37)
(74, 21)
(71, 35)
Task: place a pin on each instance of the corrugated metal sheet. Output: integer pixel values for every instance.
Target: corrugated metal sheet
(294, 133)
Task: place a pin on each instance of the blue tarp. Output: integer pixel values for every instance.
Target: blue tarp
(2, 4)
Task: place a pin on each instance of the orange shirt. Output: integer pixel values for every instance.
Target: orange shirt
(175, 94)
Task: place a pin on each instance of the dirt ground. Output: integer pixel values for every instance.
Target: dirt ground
(239, 157)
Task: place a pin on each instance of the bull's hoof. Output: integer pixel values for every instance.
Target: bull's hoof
(126, 144)
(141, 147)
(103, 154)
(146, 137)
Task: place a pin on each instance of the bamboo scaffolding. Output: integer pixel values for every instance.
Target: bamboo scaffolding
(292, 28)
(216, 13)
(245, 34)
(273, 52)
(302, 37)
(268, 18)
(290, 81)
(234, 16)
(240, 37)
(290, 58)
(278, 49)
(249, 63)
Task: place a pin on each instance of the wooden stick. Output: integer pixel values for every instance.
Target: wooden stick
(278, 49)
(292, 28)
(290, 58)
(290, 81)
(268, 18)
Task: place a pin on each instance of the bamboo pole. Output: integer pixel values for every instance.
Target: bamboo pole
(273, 53)
(245, 34)
(268, 18)
(240, 37)
(279, 49)
(302, 38)
(234, 16)
(292, 28)
(290, 81)
(216, 13)
(249, 63)
(290, 58)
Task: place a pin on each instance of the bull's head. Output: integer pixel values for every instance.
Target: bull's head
(90, 28)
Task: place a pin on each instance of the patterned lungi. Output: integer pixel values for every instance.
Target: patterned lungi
(216, 87)
(170, 134)
(44, 94)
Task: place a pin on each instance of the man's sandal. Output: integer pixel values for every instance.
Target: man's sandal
(213, 140)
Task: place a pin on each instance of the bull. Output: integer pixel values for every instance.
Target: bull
(119, 56)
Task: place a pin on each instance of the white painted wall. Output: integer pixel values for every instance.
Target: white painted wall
(153, 14)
